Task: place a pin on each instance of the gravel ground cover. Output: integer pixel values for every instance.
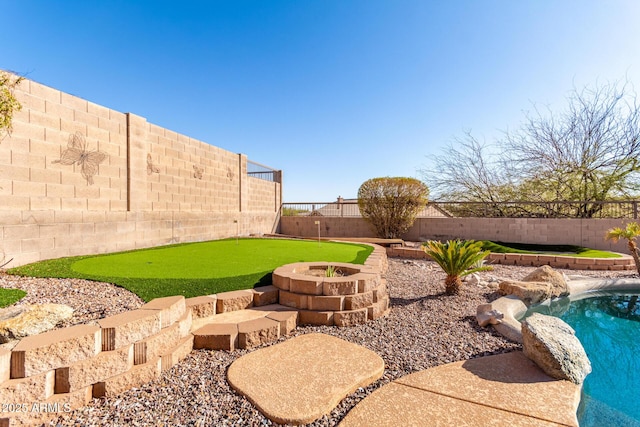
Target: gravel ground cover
(424, 328)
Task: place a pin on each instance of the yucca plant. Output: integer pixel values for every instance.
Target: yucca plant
(629, 233)
(457, 258)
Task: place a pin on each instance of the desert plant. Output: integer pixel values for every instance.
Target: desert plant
(629, 233)
(331, 271)
(457, 258)
(480, 264)
(390, 205)
(8, 102)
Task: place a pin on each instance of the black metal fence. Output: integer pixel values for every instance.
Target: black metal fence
(256, 170)
(559, 209)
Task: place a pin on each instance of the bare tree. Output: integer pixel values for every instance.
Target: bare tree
(471, 171)
(588, 153)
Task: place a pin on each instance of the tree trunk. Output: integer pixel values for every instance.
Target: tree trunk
(452, 285)
(634, 253)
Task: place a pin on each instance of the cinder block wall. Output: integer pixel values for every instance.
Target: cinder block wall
(79, 178)
(582, 232)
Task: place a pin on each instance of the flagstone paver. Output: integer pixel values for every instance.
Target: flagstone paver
(300, 380)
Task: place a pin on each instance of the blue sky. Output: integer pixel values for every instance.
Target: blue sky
(333, 92)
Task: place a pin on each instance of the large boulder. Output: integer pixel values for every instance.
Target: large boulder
(539, 285)
(549, 275)
(553, 346)
(21, 321)
(528, 292)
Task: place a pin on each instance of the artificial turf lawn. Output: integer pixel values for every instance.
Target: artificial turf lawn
(10, 296)
(194, 269)
(566, 250)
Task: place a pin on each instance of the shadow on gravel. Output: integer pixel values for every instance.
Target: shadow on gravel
(492, 296)
(402, 302)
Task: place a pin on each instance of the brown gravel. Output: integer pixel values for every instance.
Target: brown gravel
(90, 300)
(424, 328)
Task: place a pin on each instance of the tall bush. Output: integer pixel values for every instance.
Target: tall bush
(391, 204)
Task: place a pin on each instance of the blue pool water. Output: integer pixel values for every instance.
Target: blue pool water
(608, 326)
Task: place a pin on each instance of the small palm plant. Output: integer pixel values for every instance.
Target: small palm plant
(630, 233)
(457, 258)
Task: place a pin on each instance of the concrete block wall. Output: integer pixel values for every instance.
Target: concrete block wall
(265, 195)
(31, 177)
(151, 186)
(582, 232)
(305, 226)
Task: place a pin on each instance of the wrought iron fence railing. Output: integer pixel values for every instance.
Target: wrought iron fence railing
(257, 170)
(557, 209)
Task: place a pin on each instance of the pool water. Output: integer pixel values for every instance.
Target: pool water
(608, 326)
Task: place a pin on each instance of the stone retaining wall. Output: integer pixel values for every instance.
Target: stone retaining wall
(42, 376)
(61, 370)
(533, 260)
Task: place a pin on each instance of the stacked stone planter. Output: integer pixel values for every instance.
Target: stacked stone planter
(358, 295)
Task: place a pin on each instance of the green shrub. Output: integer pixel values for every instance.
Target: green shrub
(390, 205)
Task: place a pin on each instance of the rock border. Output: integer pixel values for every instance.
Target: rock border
(579, 288)
(625, 262)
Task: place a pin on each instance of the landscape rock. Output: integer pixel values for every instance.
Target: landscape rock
(22, 321)
(553, 346)
(528, 292)
(486, 315)
(473, 279)
(549, 275)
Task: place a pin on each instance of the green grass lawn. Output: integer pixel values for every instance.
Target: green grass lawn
(194, 269)
(10, 296)
(566, 250)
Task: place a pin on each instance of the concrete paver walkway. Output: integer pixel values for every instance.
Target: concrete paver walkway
(502, 390)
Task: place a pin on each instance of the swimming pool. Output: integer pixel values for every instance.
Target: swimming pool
(608, 326)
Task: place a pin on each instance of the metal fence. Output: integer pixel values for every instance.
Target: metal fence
(558, 209)
(257, 170)
(346, 209)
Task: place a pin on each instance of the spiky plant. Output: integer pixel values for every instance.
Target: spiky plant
(629, 233)
(331, 271)
(457, 258)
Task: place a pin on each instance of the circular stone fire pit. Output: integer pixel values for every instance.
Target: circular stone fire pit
(354, 296)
